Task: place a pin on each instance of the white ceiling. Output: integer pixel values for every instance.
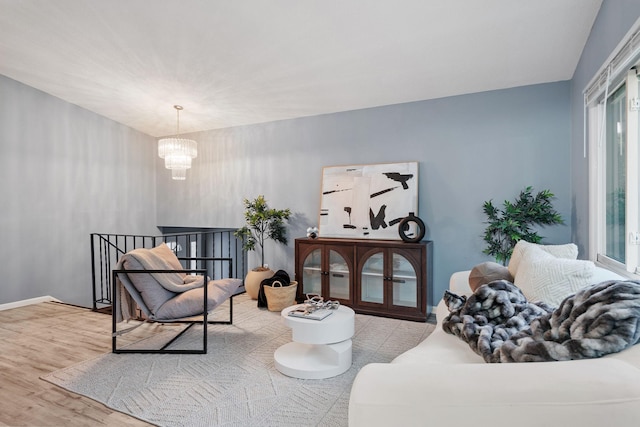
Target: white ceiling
(240, 62)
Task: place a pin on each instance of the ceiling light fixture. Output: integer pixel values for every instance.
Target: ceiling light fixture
(177, 152)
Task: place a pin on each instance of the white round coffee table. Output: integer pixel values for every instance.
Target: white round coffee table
(320, 348)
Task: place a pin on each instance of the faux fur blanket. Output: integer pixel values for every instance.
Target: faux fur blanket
(500, 325)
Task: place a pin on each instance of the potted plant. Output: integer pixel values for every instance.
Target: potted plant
(514, 222)
(262, 224)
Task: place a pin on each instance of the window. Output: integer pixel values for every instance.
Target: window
(615, 175)
(612, 111)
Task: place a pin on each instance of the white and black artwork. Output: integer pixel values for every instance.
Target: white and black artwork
(367, 201)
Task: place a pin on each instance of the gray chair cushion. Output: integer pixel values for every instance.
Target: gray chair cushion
(159, 303)
(152, 293)
(191, 302)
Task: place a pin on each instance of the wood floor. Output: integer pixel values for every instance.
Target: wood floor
(42, 338)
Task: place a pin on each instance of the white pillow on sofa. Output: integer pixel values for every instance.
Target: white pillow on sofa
(569, 251)
(544, 277)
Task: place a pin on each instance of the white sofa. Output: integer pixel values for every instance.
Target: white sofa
(443, 382)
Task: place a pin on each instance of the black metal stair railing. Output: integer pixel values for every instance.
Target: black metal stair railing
(106, 250)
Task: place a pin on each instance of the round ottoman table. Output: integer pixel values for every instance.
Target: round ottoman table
(320, 348)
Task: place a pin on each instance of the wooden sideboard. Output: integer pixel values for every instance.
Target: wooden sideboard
(387, 278)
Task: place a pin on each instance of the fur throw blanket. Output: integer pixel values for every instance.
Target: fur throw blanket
(500, 325)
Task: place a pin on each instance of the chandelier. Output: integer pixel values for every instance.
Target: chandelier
(177, 152)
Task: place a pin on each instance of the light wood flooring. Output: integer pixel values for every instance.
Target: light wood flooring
(42, 338)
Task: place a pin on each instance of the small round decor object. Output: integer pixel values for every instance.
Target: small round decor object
(411, 228)
(312, 232)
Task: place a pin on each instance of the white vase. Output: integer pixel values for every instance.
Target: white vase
(253, 280)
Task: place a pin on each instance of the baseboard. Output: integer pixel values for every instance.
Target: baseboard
(46, 298)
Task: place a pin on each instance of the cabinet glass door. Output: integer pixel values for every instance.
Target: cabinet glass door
(338, 276)
(405, 282)
(372, 279)
(312, 273)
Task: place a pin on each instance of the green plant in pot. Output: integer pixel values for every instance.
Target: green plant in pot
(516, 221)
(262, 223)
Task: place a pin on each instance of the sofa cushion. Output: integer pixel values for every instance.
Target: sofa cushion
(487, 272)
(543, 277)
(440, 347)
(569, 251)
(578, 393)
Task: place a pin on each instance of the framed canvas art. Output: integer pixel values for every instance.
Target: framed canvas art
(367, 201)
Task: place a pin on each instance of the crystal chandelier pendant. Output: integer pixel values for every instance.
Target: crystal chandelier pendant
(177, 161)
(179, 174)
(177, 152)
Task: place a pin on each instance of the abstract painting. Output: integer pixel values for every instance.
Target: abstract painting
(367, 201)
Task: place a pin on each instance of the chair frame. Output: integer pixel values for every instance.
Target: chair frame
(204, 321)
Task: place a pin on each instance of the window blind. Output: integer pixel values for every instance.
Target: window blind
(615, 68)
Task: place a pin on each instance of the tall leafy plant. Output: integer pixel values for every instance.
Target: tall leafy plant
(515, 221)
(262, 224)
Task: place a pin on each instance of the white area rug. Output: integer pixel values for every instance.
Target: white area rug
(236, 383)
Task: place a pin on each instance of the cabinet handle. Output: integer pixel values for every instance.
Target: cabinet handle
(338, 275)
(397, 280)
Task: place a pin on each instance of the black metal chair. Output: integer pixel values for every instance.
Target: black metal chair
(167, 295)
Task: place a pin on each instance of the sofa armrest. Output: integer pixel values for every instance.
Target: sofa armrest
(593, 392)
(459, 283)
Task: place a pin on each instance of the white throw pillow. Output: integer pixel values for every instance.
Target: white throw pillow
(543, 277)
(569, 251)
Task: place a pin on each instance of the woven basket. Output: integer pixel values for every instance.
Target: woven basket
(279, 297)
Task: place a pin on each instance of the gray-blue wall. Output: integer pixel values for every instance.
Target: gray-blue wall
(64, 173)
(470, 149)
(614, 21)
